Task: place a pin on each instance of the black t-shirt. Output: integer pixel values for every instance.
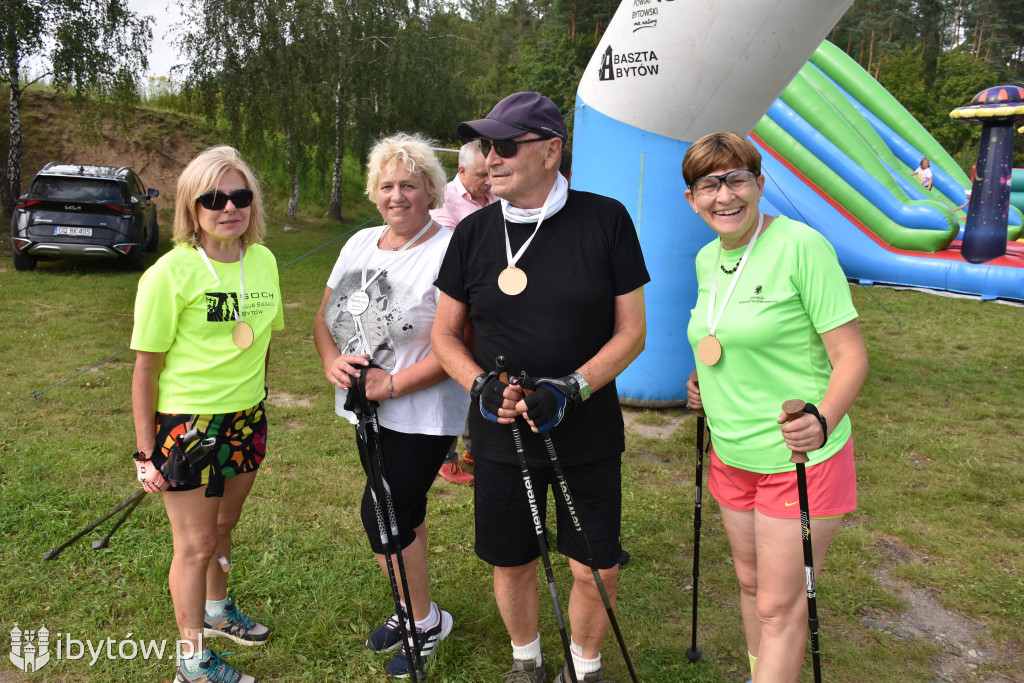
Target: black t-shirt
(581, 259)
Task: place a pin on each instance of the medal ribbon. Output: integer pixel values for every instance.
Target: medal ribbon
(241, 275)
(712, 326)
(363, 271)
(358, 319)
(554, 202)
(508, 247)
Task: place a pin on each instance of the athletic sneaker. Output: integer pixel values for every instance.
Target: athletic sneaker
(213, 669)
(386, 637)
(525, 671)
(453, 472)
(428, 641)
(592, 677)
(235, 625)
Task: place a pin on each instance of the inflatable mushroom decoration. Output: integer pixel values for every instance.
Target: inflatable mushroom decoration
(996, 109)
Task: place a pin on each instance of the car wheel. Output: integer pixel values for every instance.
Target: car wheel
(154, 238)
(23, 261)
(136, 258)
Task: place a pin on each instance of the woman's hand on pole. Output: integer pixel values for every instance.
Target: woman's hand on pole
(803, 434)
(693, 401)
(150, 477)
(377, 381)
(341, 369)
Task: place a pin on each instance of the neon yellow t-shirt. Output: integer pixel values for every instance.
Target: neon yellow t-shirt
(790, 291)
(182, 311)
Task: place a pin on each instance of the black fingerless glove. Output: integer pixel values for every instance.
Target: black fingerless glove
(552, 400)
(490, 390)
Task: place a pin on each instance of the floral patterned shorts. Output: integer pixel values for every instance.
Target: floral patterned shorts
(240, 447)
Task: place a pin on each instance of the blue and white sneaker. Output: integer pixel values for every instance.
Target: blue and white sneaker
(428, 640)
(213, 669)
(235, 625)
(387, 636)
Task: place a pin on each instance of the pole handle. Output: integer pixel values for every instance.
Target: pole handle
(793, 409)
(699, 412)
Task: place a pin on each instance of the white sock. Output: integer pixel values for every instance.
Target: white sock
(215, 608)
(530, 651)
(429, 621)
(192, 663)
(583, 666)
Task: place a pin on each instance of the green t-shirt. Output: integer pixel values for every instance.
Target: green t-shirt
(182, 311)
(791, 290)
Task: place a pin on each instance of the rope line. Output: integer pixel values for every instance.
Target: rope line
(38, 394)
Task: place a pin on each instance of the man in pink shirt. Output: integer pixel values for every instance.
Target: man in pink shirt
(468, 191)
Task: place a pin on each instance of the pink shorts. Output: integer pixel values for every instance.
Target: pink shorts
(831, 488)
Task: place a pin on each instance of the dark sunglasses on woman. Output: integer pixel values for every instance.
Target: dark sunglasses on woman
(505, 148)
(215, 200)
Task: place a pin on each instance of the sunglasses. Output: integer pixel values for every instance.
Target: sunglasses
(504, 148)
(738, 180)
(215, 200)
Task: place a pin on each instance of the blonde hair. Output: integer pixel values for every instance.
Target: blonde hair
(415, 153)
(203, 174)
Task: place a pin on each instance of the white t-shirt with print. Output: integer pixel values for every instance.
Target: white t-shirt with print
(395, 327)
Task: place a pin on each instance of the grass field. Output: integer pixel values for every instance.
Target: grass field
(925, 582)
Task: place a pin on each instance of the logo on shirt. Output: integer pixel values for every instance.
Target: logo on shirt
(221, 306)
(758, 298)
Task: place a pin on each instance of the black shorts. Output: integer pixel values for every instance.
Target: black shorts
(241, 445)
(411, 462)
(505, 531)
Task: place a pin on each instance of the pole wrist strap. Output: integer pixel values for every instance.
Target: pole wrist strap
(812, 409)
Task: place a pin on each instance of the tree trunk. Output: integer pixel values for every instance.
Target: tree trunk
(293, 201)
(339, 155)
(871, 51)
(10, 176)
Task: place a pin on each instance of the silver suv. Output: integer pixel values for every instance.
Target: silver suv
(93, 212)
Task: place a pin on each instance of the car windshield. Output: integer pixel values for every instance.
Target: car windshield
(77, 189)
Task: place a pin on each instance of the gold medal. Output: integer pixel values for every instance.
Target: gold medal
(242, 335)
(709, 350)
(512, 281)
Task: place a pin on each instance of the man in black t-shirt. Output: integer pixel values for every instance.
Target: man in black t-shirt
(552, 280)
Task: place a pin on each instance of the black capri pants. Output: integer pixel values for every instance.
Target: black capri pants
(411, 462)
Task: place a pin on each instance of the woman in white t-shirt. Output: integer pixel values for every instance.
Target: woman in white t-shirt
(379, 303)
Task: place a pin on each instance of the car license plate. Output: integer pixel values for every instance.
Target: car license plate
(73, 232)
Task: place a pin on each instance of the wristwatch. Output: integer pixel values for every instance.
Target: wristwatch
(478, 384)
(584, 388)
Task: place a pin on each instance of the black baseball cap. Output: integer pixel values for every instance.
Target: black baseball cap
(517, 114)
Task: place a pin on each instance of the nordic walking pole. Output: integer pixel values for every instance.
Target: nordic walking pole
(588, 552)
(130, 503)
(542, 542)
(693, 652)
(368, 441)
(131, 500)
(794, 408)
(586, 549)
(105, 541)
